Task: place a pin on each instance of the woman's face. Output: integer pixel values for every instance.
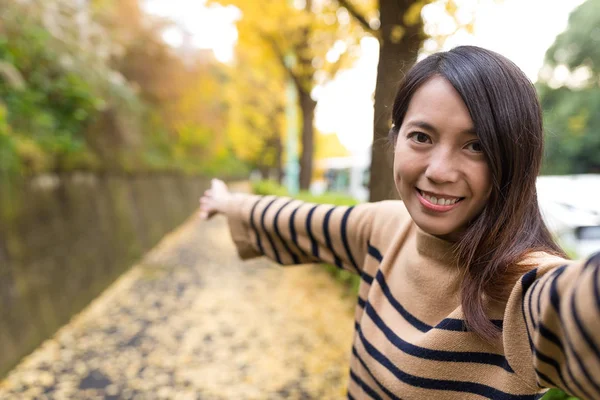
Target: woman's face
(440, 170)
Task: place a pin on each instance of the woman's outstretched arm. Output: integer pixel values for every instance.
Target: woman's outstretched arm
(291, 231)
(552, 327)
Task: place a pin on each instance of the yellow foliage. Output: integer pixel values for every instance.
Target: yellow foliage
(578, 123)
(255, 96)
(329, 146)
(33, 157)
(321, 41)
(451, 7)
(397, 33)
(413, 14)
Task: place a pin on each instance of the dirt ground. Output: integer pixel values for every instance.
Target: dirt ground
(192, 321)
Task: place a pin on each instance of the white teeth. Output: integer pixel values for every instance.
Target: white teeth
(440, 201)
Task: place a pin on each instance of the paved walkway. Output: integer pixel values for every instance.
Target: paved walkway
(192, 321)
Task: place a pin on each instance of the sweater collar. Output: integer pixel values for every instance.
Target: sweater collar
(433, 247)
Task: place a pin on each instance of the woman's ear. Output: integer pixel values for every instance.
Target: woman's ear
(393, 136)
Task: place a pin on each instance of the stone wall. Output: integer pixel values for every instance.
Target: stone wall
(64, 239)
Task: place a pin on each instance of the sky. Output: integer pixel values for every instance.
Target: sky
(521, 30)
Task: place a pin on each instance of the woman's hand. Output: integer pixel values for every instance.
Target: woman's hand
(215, 199)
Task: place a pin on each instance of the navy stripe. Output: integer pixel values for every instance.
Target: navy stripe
(594, 258)
(364, 386)
(278, 233)
(350, 396)
(460, 325)
(361, 302)
(545, 332)
(554, 296)
(293, 234)
(437, 355)
(438, 384)
(554, 300)
(550, 361)
(529, 303)
(414, 321)
(546, 378)
(550, 336)
(526, 281)
(364, 365)
(343, 231)
(582, 329)
(336, 260)
(596, 289)
(366, 277)
(373, 252)
(588, 339)
(313, 241)
(253, 226)
(262, 223)
(539, 303)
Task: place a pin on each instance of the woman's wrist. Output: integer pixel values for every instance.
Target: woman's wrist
(228, 203)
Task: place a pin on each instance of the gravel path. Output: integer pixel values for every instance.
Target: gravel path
(191, 321)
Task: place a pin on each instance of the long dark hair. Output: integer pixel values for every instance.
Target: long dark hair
(507, 117)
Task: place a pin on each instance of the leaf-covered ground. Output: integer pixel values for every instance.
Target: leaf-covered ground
(192, 321)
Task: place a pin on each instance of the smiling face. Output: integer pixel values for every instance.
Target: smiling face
(440, 170)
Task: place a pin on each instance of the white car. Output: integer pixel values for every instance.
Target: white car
(571, 209)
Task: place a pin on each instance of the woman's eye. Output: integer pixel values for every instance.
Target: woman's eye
(475, 147)
(419, 137)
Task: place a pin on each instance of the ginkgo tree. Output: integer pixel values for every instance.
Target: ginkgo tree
(321, 39)
(256, 106)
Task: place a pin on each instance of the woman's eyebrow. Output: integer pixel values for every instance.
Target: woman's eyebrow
(431, 128)
(423, 125)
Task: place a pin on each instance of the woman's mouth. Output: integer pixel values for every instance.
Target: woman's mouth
(440, 203)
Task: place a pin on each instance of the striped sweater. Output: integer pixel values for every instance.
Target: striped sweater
(410, 341)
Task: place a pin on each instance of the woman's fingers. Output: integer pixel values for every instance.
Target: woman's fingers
(218, 186)
(212, 197)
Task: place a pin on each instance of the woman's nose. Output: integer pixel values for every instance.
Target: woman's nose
(442, 168)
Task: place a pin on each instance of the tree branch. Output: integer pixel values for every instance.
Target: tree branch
(359, 17)
(281, 58)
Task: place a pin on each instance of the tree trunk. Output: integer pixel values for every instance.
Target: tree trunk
(307, 106)
(264, 171)
(395, 58)
(279, 160)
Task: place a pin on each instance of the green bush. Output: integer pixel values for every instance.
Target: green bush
(269, 187)
(44, 102)
(555, 394)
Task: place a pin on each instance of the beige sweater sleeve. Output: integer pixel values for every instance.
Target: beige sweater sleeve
(552, 326)
(294, 232)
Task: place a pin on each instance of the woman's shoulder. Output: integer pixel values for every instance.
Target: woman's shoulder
(391, 209)
(388, 218)
(543, 261)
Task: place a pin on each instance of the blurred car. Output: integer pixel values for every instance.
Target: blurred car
(570, 207)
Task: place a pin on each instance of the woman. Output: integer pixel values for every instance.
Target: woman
(464, 293)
